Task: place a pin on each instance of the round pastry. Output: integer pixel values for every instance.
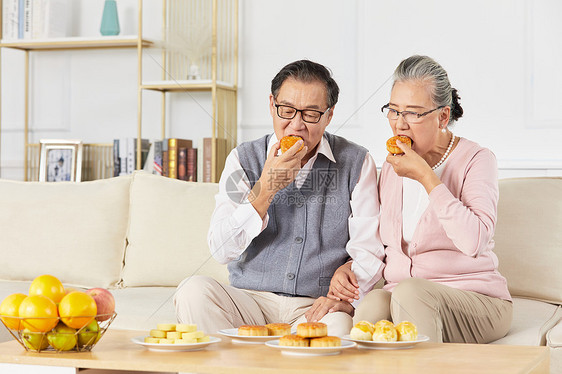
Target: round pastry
(407, 331)
(393, 148)
(278, 329)
(362, 330)
(326, 341)
(252, 330)
(293, 341)
(290, 140)
(312, 329)
(385, 331)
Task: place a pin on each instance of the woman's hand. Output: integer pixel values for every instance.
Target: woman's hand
(413, 166)
(343, 285)
(323, 306)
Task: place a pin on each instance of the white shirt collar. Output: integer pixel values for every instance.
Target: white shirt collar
(323, 147)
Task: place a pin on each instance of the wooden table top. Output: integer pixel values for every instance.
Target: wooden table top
(116, 351)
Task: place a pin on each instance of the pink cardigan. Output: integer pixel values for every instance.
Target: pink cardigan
(452, 243)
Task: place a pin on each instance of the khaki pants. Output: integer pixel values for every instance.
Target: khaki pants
(443, 313)
(214, 306)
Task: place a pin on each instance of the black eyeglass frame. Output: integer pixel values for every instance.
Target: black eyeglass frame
(301, 111)
(419, 115)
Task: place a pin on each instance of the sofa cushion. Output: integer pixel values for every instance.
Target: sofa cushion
(74, 231)
(528, 237)
(141, 308)
(532, 319)
(167, 238)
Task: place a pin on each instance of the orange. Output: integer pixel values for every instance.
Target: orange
(77, 309)
(47, 285)
(39, 313)
(10, 307)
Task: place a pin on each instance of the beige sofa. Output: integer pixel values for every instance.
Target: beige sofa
(140, 235)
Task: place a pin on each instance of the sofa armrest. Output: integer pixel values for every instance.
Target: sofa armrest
(554, 341)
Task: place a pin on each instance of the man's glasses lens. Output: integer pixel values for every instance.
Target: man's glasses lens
(288, 112)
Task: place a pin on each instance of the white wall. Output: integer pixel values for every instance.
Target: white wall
(502, 56)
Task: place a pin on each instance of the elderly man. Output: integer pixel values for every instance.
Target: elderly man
(292, 221)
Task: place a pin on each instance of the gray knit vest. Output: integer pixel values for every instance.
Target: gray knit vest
(304, 241)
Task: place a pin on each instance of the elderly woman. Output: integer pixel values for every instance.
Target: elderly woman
(437, 219)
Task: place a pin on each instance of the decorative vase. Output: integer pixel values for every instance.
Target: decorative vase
(110, 19)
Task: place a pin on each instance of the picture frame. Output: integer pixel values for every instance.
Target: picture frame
(60, 160)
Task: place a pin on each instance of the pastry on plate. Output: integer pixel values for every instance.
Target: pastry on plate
(407, 331)
(252, 330)
(393, 148)
(288, 141)
(385, 331)
(362, 330)
(278, 329)
(294, 341)
(326, 341)
(312, 329)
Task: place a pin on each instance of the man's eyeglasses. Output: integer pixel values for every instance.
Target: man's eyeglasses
(307, 115)
(408, 116)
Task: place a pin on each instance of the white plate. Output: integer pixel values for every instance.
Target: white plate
(310, 351)
(387, 345)
(174, 347)
(233, 334)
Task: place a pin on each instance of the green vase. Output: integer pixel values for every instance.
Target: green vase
(110, 19)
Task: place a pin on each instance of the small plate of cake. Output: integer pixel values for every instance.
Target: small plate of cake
(311, 339)
(257, 334)
(385, 335)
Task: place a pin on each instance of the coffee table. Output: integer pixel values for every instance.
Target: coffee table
(115, 351)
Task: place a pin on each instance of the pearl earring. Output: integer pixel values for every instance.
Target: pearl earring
(444, 130)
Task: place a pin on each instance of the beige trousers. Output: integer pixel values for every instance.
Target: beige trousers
(214, 306)
(443, 313)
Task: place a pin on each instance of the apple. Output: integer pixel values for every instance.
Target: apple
(62, 337)
(104, 301)
(36, 341)
(89, 334)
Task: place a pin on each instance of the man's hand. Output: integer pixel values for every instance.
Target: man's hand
(323, 306)
(278, 172)
(343, 285)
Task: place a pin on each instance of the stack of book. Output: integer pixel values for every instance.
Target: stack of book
(35, 19)
(177, 158)
(125, 155)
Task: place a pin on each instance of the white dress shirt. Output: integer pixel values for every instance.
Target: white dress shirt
(235, 222)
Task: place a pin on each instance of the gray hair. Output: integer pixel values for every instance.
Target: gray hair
(307, 71)
(426, 69)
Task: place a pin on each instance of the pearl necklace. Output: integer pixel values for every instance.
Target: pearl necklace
(446, 154)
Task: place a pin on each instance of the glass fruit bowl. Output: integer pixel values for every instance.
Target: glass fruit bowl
(60, 338)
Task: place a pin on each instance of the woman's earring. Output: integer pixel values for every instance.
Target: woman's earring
(444, 130)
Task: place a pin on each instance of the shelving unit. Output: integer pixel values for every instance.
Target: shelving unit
(58, 44)
(221, 83)
(219, 64)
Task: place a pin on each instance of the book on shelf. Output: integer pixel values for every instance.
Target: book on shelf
(165, 160)
(35, 19)
(157, 157)
(116, 159)
(125, 155)
(182, 163)
(192, 164)
(122, 156)
(148, 161)
(132, 153)
(10, 22)
(174, 144)
(207, 158)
